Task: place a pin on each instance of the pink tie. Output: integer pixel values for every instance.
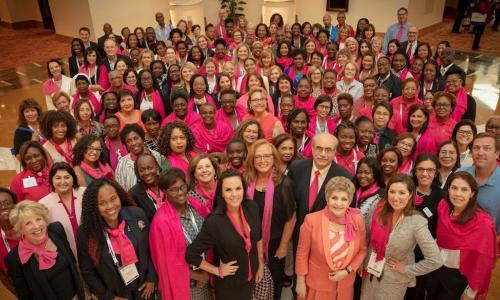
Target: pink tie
(408, 53)
(400, 33)
(313, 189)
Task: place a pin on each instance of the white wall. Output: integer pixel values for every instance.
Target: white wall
(4, 12)
(70, 15)
(424, 13)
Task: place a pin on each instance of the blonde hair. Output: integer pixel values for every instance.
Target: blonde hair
(250, 173)
(27, 208)
(348, 63)
(267, 52)
(145, 51)
(340, 184)
(313, 69)
(253, 91)
(60, 94)
(188, 65)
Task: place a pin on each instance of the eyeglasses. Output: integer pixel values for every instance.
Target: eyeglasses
(176, 190)
(429, 171)
(406, 145)
(266, 157)
(94, 149)
(259, 100)
(320, 149)
(442, 105)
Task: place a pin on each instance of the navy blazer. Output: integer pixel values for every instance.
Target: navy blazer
(394, 84)
(141, 198)
(29, 282)
(103, 279)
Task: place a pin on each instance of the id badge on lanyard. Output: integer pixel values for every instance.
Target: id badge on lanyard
(186, 235)
(128, 273)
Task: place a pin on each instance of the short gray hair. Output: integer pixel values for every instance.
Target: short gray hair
(27, 208)
(340, 184)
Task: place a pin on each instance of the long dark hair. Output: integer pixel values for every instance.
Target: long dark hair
(82, 146)
(421, 158)
(219, 202)
(64, 167)
(472, 205)
(387, 209)
(92, 223)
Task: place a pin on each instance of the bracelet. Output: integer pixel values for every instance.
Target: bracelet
(220, 272)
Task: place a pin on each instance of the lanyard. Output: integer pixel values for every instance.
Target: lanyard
(193, 221)
(319, 128)
(111, 251)
(6, 243)
(305, 138)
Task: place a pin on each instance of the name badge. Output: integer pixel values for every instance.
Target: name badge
(29, 182)
(128, 273)
(427, 212)
(375, 267)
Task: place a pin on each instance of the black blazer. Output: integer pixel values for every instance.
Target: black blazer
(118, 56)
(73, 66)
(394, 84)
(442, 79)
(22, 134)
(29, 282)
(103, 280)
(402, 49)
(218, 233)
(102, 39)
(141, 198)
(300, 173)
(385, 138)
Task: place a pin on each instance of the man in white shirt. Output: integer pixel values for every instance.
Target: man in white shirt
(448, 66)
(409, 47)
(162, 31)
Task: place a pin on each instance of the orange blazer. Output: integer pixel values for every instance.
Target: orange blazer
(313, 258)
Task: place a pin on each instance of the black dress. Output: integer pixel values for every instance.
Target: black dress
(218, 233)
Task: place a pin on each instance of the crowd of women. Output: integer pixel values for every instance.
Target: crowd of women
(173, 170)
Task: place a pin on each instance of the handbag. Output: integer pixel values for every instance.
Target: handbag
(264, 290)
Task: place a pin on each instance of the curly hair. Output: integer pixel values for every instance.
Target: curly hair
(82, 146)
(243, 126)
(92, 223)
(50, 118)
(25, 104)
(166, 133)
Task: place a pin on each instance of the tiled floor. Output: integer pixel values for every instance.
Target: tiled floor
(22, 69)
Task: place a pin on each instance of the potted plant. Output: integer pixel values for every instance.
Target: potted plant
(234, 7)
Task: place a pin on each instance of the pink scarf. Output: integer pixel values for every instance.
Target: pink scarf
(461, 106)
(404, 73)
(102, 171)
(362, 195)
(291, 73)
(379, 233)
(96, 105)
(215, 140)
(307, 105)
(476, 241)
(418, 200)
(190, 119)
(284, 62)
(350, 228)
(268, 210)
(245, 235)
(122, 245)
(222, 117)
(192, 107)
(426, 142)
(158, 199)
(46, 258)
(157, 102)
(49, 87)
(209, 197)
(406, 166)
(328, 64)
(113, 157)
(168, 250)
(68, 154)
(175, 161)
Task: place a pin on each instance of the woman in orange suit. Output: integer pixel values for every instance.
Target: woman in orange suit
(331, 247)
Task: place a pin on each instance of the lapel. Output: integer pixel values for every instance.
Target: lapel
(32, 268)
(319, 203)
(306, 182)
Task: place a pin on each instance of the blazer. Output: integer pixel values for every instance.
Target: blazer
(394, 84)
(127, 60)
(57, 213)
(141, 198)
(313, 254)
(442, 78)
(385, 138)
(29, 282)
(300, 173)
(73, 66)
(218, 233)
(402, 49)
(103, 279)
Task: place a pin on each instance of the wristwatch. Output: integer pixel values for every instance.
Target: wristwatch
(348, 269)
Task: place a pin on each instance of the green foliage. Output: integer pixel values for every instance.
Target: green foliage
(233, 6)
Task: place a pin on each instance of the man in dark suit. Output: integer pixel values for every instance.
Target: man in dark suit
(111, 55)
(310, 175)
(409, 47)
(108, 30)
(385, 77)
(448, 67)
(84, 35)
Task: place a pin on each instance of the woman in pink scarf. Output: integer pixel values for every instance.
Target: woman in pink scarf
(332, 246)
(466, 105)
(369, 186)
(418, 125)
(95, 70)
(202, 177)
(57, 82)
(298, 69)
(90, 160)
(273, 193)
(230, 113)
(199, 93)
(254, 81)
(401, 105)
(177, 145)
(407, 144)
(180, 110)
(467, 234)
(304, 99)
(175, 225)
(210, 135)
(322, 121)
(84, 93)
(441, 122)
(298, 124)
(149, 96)
(364, 106)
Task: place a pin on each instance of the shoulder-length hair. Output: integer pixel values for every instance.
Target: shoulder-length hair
(250, 173)
(28, 145)
(387, 209)
(455, 146)
(82, 146)
(219, 202)
(472, 206)
(425, 156)
(193, 164)
(25, 104)
(373, 164)
(461, 123)
(50, 118)
(62, 166)
(243, 126)
(414, 108)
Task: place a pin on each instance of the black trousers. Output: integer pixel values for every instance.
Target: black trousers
(445, 284)
(276, 266)
(479, 27)
(417, 292)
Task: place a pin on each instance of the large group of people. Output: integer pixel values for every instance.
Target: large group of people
(229, 164)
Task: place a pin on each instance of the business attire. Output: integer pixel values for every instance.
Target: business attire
(22, 134)
(396, 31)
(302, 173)
(74, 66)
(218, 233)
(103, 279)
(143, 200)
(322, 250)
(111, 67)
(409, 232)
(393, 83)
(442, 75)
(61, 281)
(407, 51)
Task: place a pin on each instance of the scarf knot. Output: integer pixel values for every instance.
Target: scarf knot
(46, 258)
(121, 244)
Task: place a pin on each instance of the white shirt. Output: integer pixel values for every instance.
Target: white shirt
(321, 177)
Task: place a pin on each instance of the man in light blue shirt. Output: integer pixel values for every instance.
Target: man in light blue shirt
(162, 31)
(399, 30)
(485, 150)
(332, 30)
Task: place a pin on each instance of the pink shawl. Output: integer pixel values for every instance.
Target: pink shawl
(330, 125)
(96, 105)
(379, 233)
(400, 109)
(103, 75)
(190, 119)
(461, 106)
(243, 102)
(359, 105)
(168, 249)
(284, 62)
(212, 141)
(221, 116)
(346, 220)
(177, 162)
(49, 87)
(307, 105)
(426, 142)
(157, 102)
(113, 157)
(192, 107)
(268, 211)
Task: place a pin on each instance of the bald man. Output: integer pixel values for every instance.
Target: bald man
(117, 84)
(111, 56)
(311, 175)
(409, 47)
